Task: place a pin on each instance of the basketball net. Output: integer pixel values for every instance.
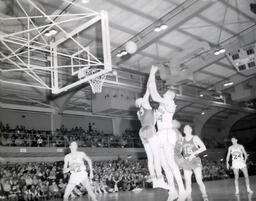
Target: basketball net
(96, 83)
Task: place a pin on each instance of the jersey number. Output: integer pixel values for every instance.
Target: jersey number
(188, 150)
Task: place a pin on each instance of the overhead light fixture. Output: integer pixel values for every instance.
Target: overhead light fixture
(122, 53)
(118, 54)
(228, 83)
(219, 51)
(51, 32)
(157, 29)
(201, 95)
(203, 113)
(163, 26)
(85, 1)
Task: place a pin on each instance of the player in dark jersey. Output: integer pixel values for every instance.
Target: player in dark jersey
(192, 146)
(149, 139)
(239, 157)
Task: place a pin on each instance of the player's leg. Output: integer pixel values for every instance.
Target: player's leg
(150, 158)
(170, 159)
(154, 146)
(247, 181)
(187, 176)
(236, 174)
(199, 180)
(168, 173)
(87, 185)
(68, 191)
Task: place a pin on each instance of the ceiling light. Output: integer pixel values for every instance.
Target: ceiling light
(222, 50)
(50, 33)
(157, 29)
(201, 95)
(163, 26)
(228, 83)
(203, 113)
(219, 51)
(123, 52)
(85, 1)
(118, 54)
(160, 27)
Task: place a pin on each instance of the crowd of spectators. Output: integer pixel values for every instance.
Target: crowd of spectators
(213, 169)
(41, 180)
(91, 137)
(36, 181)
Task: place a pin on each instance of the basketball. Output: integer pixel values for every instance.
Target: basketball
(131, 47)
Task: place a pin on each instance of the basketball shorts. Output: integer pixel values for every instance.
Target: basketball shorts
(146, 133)
(238, 164)
(167, 137)
(192, 164)
(78, 177)
(179, 159)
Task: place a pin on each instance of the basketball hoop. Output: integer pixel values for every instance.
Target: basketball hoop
(96, 83)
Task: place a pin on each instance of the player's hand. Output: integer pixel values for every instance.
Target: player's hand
(191, 156)
(228, 166)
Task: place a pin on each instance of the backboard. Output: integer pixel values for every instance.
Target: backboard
(54, 51)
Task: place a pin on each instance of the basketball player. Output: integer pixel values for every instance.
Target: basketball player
(191, 147)
(74, 163)
(239, 158)
(148, 137)
(166, 135)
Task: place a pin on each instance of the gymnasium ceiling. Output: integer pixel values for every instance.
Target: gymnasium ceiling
(196, 29)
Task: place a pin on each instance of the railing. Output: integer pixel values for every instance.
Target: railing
(52, 139)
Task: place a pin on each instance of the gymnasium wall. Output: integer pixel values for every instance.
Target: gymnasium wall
(100, 124)
(37, 154)
(120, 125)
(213, 136)
(245, 131)
(42, 121)
(29, 119)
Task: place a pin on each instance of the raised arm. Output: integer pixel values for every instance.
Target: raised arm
(152, 86)
(145, 100)
(227, 158)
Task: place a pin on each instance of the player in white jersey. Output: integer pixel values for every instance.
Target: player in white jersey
(74, 163)
(166, 133)
(239, 158)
